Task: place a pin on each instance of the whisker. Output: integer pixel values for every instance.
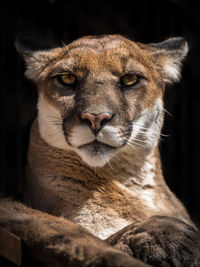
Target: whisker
(138, 140)
(141, 133)
(135, 144)
(141, 126)
(131, 146)
(109, 164)
(165, 135)
(58, 122)
(63, 44)
(151, 135)
(134, 141)
(166, 111)
(116, 156)
(56, 118)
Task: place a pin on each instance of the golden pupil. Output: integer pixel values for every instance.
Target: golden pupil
(129, 79)
(68, 79)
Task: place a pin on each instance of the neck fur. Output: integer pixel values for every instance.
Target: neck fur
(131, 169)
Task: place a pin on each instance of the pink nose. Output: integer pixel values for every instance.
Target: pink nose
(96, 121)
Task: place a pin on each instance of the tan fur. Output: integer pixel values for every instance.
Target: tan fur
(69, 189)
(93, 159)
(55, 241)
(108, 191)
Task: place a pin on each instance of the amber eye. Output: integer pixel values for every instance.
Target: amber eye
(66, 79)
(129, 79)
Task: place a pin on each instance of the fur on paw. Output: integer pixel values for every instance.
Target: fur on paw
(160, 241)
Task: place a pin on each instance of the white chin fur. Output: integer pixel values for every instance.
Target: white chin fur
(81, 135)
(110, 135)
(94, 161)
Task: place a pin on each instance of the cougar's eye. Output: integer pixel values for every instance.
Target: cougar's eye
(66, 79)
(129, 79)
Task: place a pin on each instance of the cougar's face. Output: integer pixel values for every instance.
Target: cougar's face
(99, 96)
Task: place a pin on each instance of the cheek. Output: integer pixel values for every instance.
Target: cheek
(135, 99)
(50, 124)
(69, 122)
(131, 106)
(147, 126)
(60, 98)
(141, 99)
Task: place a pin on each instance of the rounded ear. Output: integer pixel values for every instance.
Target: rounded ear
(36, 55)
(169, 56)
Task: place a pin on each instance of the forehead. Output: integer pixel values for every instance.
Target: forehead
(110, 52)
(101, 43)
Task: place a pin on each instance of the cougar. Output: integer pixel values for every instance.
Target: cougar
(93, 155)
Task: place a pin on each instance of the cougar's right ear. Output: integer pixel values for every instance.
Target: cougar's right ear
(36, 56)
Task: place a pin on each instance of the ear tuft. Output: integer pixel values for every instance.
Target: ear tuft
(169, 56)
(36, 55)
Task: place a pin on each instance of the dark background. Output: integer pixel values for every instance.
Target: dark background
(146, 21)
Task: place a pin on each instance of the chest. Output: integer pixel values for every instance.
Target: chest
(100, 221)
(105, 213)
(103, 209)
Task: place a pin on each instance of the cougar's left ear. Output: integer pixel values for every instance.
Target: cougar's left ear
(168, 56)
(36, 56)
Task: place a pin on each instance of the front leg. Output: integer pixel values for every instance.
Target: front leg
(55, 241)
(160, 241)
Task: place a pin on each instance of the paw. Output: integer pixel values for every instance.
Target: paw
(161, 241)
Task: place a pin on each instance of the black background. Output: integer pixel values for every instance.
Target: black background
(146, 21)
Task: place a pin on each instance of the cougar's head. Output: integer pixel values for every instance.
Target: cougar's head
(100, 95)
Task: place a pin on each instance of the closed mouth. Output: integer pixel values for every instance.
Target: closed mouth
(97, 146)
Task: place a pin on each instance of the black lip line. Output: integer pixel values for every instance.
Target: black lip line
(96, 141)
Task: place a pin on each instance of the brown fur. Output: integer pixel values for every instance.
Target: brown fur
(60, 176)
(67, 185)
(71, 175)
(52, 241)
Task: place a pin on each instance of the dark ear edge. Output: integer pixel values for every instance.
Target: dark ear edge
(27, 46)
(178, 44)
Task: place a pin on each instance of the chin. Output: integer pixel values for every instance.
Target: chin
(96, 154)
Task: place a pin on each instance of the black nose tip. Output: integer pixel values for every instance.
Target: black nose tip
(96, 121)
